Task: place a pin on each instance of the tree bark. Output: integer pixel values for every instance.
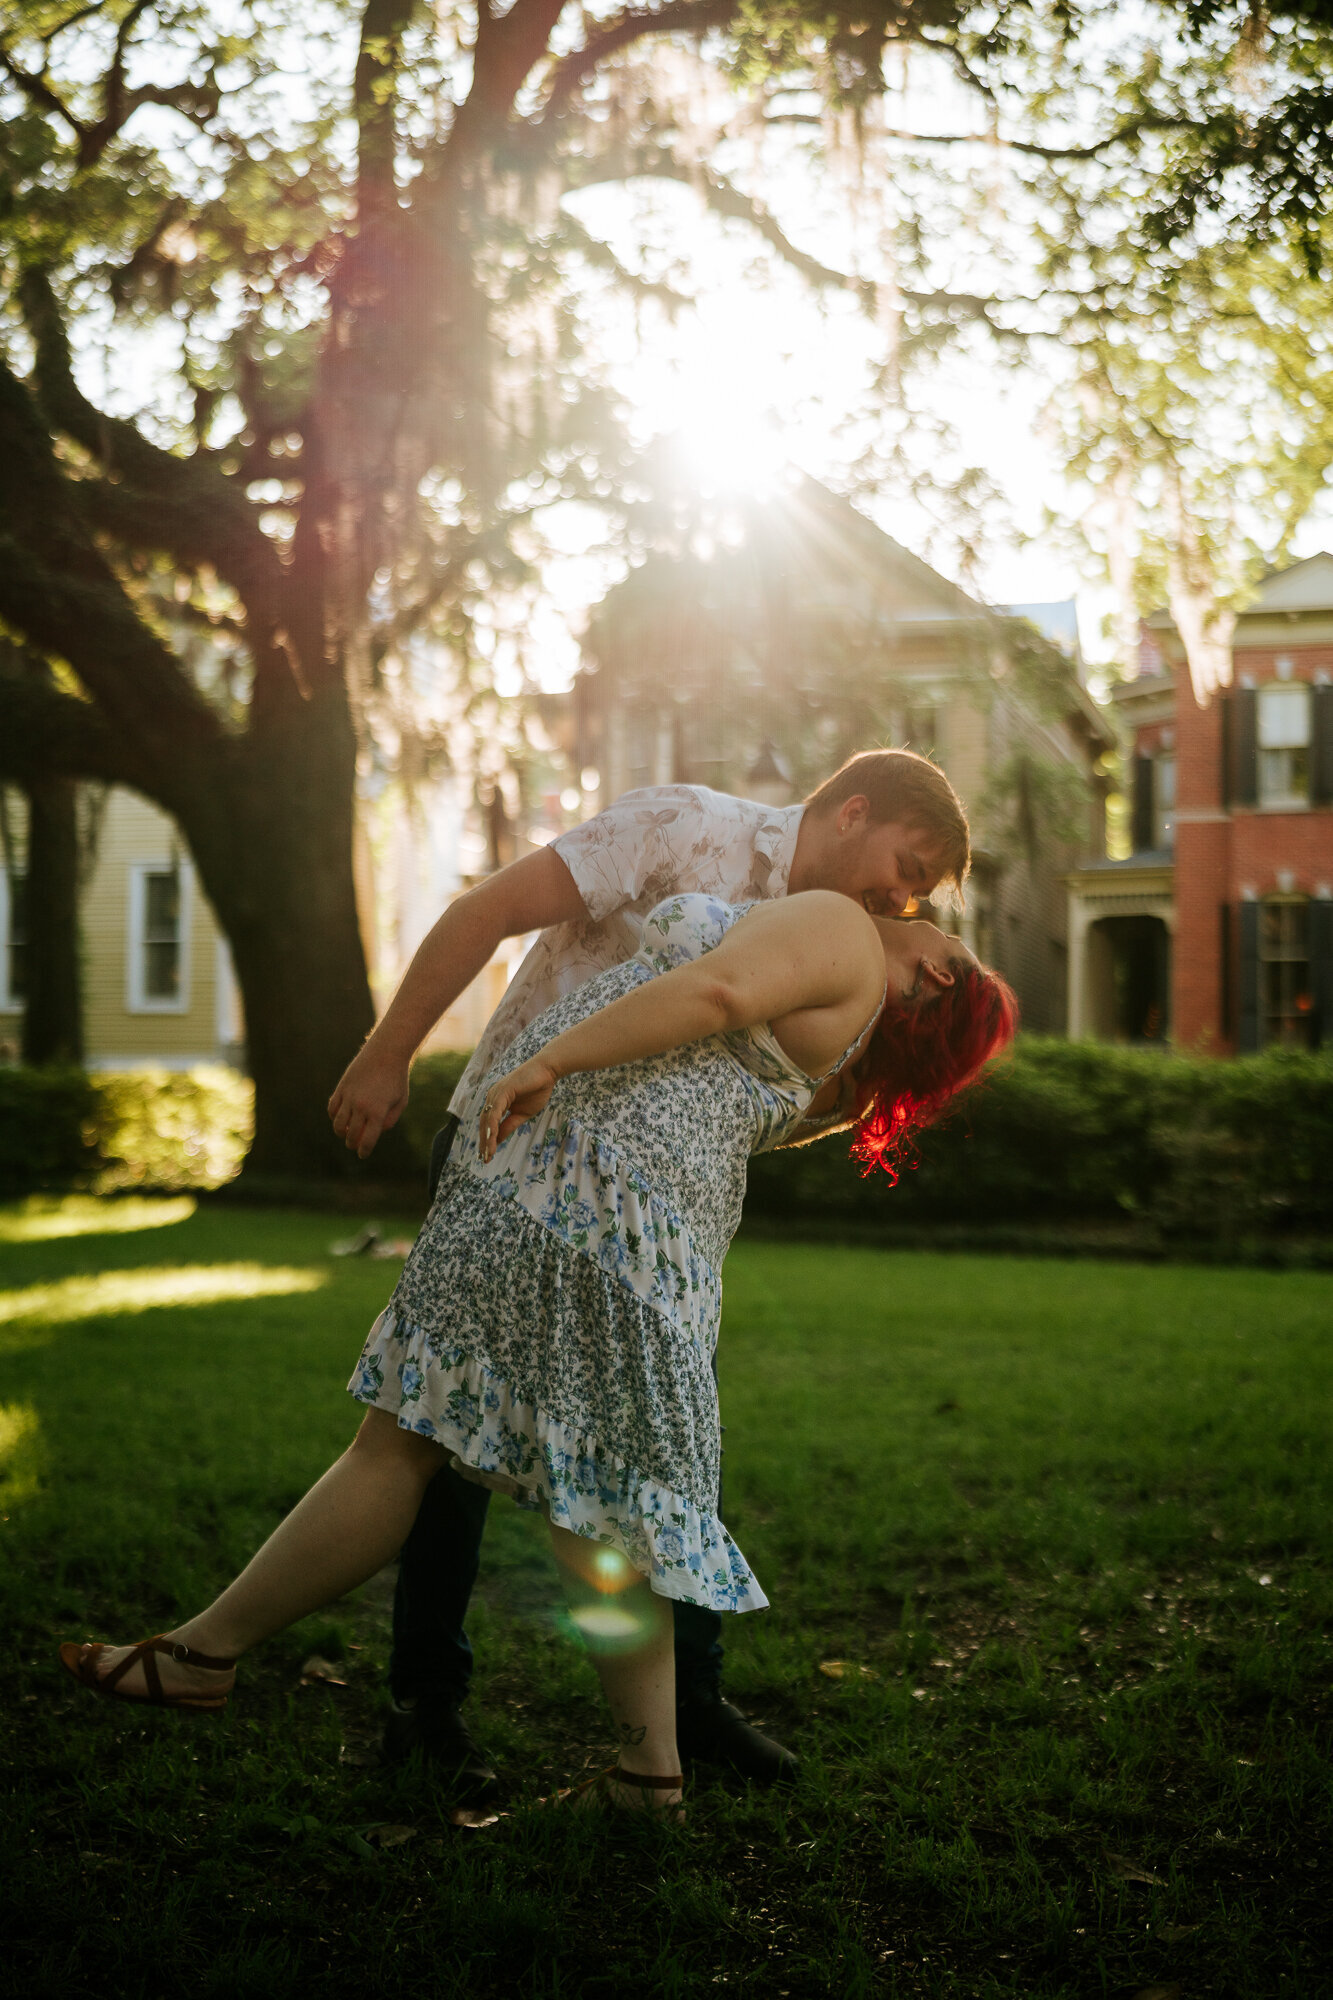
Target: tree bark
(272, 840)
(53, 1001)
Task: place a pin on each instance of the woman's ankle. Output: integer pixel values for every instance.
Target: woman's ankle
(206, 1636)
(656, 1757)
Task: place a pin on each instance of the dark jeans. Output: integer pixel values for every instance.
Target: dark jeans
(438, 1568)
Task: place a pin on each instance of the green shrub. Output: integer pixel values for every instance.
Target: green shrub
(1082, 1131)
(434, 1080)
(48, 1121)
(63, 1128)
(166, 1128)
(1059, 1132)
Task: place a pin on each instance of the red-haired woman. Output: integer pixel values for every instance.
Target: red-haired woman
(553, 1329)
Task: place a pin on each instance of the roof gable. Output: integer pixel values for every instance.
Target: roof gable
(1306, 586)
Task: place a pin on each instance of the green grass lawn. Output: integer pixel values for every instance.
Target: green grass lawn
(1063, 1528)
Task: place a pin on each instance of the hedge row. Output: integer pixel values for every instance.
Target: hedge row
(1060, 1131)
(1081, 1131)
(63, 1128)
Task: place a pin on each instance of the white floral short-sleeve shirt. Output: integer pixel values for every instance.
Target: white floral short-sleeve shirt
(663, 840)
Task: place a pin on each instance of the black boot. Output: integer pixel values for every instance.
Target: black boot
(710, 1731)
(432, 1726)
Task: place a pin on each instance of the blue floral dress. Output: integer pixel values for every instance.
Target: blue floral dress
(554, 1326)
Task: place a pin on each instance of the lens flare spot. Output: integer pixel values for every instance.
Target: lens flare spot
(609, 1623)
(611, 1572)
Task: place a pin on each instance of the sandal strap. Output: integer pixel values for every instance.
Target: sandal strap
(187, 1657)
(175, 1649)
(647, 1783)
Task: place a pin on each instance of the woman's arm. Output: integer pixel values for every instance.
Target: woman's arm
(816, 956)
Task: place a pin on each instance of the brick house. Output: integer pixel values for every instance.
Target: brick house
(1217, 931)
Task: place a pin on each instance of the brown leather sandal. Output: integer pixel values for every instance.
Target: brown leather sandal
(596, 1791)
(81, 1661)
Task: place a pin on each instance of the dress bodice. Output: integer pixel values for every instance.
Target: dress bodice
(686, 928)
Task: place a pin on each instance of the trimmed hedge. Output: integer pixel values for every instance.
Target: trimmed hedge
(159, 1128)
(1082, 1131)
(1060, 1132)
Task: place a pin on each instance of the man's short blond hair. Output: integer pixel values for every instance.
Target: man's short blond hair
(900, 785)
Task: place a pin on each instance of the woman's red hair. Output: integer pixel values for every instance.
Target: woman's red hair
(920, 1056)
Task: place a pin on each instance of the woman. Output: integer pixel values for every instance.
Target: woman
(553, 1328)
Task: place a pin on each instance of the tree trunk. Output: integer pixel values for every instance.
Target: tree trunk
(53, 1001)
(273, 844)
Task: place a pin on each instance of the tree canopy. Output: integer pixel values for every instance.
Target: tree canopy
(294, 345)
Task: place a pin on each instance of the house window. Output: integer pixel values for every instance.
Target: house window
(13, 941)
(1284, 745)
(1285, 994)
(159, 939)
(1164, 802)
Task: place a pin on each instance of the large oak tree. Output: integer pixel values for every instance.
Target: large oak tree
(349, 286)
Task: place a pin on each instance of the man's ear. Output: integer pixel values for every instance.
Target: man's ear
(853, 812)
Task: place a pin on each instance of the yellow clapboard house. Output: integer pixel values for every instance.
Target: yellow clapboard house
(158, 986)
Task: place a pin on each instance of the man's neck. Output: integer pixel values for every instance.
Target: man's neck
(805, 855)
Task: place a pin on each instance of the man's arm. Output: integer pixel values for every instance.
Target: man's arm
(529, 895)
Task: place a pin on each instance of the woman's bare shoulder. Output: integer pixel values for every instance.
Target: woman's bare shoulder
(838, 919)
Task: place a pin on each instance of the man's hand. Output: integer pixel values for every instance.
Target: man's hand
(512, 1101)
(370, 1097)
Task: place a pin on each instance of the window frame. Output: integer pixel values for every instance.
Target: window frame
(1267, 1015)
(10, 1001)
(137, 1000)
(1163, 810)
(1290, 800)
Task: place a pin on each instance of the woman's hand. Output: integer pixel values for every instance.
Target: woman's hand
(513, 1100)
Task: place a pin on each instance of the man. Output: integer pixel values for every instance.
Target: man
(887, 830)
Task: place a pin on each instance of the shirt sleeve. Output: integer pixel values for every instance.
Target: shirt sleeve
(649, 839)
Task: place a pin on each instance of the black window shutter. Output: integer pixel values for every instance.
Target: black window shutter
(1321, 968)
(1321, 753)
(1226, 937)
(1244, 760)
(1227, 699)
(1141, 822)
(1247, 1023)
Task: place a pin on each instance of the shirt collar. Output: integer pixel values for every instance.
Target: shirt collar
(776, 839)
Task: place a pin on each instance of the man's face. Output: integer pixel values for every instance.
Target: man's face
(883, 866)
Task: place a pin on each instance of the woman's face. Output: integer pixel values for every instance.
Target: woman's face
(920, 960)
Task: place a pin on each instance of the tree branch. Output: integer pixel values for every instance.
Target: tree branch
(48, 733)
(502, 61)
(113, 83)
(724, 199)
(58, 591)
(40, 91)
(1128, 128)
(374, 99)
(676, 17)
(186, 507)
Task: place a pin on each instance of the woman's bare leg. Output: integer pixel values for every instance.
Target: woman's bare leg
(629, 1634)
(350, 1523)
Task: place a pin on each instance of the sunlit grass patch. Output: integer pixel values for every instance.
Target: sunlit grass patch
(112, 1294)
(48, 1218)
(20, 1454)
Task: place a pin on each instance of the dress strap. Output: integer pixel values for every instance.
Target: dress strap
(854, 1048)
